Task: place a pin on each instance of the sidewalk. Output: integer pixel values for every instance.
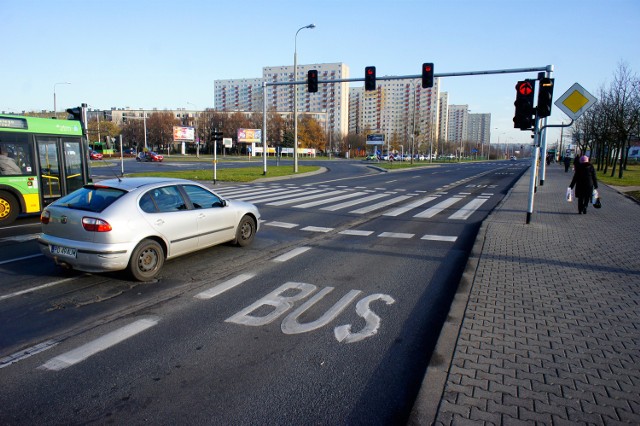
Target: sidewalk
(545, 327)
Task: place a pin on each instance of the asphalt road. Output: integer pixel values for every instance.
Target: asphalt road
(329, 317)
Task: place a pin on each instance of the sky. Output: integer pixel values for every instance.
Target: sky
(167, 54)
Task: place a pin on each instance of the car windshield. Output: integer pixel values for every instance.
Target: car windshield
(92, 198)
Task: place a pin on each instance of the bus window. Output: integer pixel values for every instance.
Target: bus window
(15, 154)
(49, 168)
(73, 164)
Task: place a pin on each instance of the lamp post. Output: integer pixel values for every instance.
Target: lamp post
(55, 110)
(295, 98)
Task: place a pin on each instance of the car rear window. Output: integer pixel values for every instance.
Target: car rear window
(92, 198)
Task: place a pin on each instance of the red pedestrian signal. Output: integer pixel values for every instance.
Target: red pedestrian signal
(427, 75)
(370, 78)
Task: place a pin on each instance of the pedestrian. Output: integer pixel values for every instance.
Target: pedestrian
(584, 180)
(567, 163)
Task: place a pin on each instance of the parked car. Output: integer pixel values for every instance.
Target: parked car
(138, 223)
(95, 155)
(129, 152)
(513, 158)
(149, 156)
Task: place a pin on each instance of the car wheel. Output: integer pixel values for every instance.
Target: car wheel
(246, 231)
(9, 208)
(146, 260)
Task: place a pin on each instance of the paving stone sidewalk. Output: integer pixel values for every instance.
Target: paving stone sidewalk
(550, 317)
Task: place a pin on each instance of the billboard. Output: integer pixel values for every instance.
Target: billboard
(183, 134)
(249, 135)
(375, 139)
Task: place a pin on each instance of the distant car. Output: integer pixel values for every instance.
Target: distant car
(95, 155)
(138, 223)
(129, 152)
(149, 156)
(513, 158)
(371, 157)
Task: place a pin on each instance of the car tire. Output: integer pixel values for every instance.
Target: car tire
(9, 208)
(246, 231)
(146, 260)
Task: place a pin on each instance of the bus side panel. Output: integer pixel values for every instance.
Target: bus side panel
(25, 189)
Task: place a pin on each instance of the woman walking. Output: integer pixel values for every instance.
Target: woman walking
(584, 180)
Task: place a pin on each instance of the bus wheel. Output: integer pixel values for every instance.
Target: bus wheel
(9, 208)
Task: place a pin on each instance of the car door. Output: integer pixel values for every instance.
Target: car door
(169, 216)
(216, 221)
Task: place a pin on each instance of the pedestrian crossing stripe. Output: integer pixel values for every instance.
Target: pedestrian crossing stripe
(339, 199)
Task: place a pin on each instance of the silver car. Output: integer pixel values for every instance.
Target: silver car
(138, 223)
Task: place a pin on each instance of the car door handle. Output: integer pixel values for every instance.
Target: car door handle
(159, 222)
(202, 216)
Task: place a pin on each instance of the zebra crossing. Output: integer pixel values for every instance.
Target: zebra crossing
(360, 200)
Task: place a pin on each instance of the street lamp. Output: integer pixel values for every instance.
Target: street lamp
(54, 96)
(295, 98)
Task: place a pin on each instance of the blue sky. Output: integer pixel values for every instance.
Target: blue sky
(156, 53)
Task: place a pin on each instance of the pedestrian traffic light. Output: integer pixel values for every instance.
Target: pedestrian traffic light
(75, 113)
(370, 78)
(545, 97)
(427, 75)
(312, 81)
(523, 118)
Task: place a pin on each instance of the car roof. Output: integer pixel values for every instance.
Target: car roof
(129, 184)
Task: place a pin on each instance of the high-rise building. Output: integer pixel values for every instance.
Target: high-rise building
(329, 104)
(396, 108)
(479, 129)
(457, 123)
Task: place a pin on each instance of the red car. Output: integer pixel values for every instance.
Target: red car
(95, 155)
(149, 156)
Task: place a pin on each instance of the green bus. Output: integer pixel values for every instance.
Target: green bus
(41, 159)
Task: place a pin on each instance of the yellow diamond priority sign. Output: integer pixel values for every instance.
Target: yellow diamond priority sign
(575, 101)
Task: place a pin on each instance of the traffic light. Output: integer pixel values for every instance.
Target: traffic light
(217, 136)
(74, 113)
(545, 97)
(427, 75)
(370, 78)
(523, 118)
(312, 81)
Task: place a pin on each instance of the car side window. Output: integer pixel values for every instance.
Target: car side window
(163, 200)
(201, 198)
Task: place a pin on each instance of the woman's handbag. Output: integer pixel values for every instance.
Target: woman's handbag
(595, 199)
(597, 204)
(569, 195)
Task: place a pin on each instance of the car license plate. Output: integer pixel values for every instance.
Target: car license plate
(64, 251)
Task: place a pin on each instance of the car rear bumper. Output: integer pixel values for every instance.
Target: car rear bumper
(89, 257)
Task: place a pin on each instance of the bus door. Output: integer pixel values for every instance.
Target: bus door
(61, 169)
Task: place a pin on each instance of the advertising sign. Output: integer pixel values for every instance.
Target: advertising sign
(249, 135)
(183, 133)
(375, 139)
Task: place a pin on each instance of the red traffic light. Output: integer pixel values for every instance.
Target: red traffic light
(524, 88)
(427, 75)
(370, 78)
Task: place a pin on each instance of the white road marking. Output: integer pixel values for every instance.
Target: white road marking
(381, 204)
(18, 259)
(430, 212)
(395, 235)
(410, 206)
(288, 194)
(330, 200)
(21, 238)
(308, 197)
(32, 289)
(353, 203)
(439, 238)
(222, 287)
(26, 353)
(468, 209)
(356, 232)
(100, 344)
(282, 224)
(293, 253)
(316, 229)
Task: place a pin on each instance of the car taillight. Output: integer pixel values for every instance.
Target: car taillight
(45, 217)
(93, 224)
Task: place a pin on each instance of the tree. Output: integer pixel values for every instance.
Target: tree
(310, 134)
(160, 129)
